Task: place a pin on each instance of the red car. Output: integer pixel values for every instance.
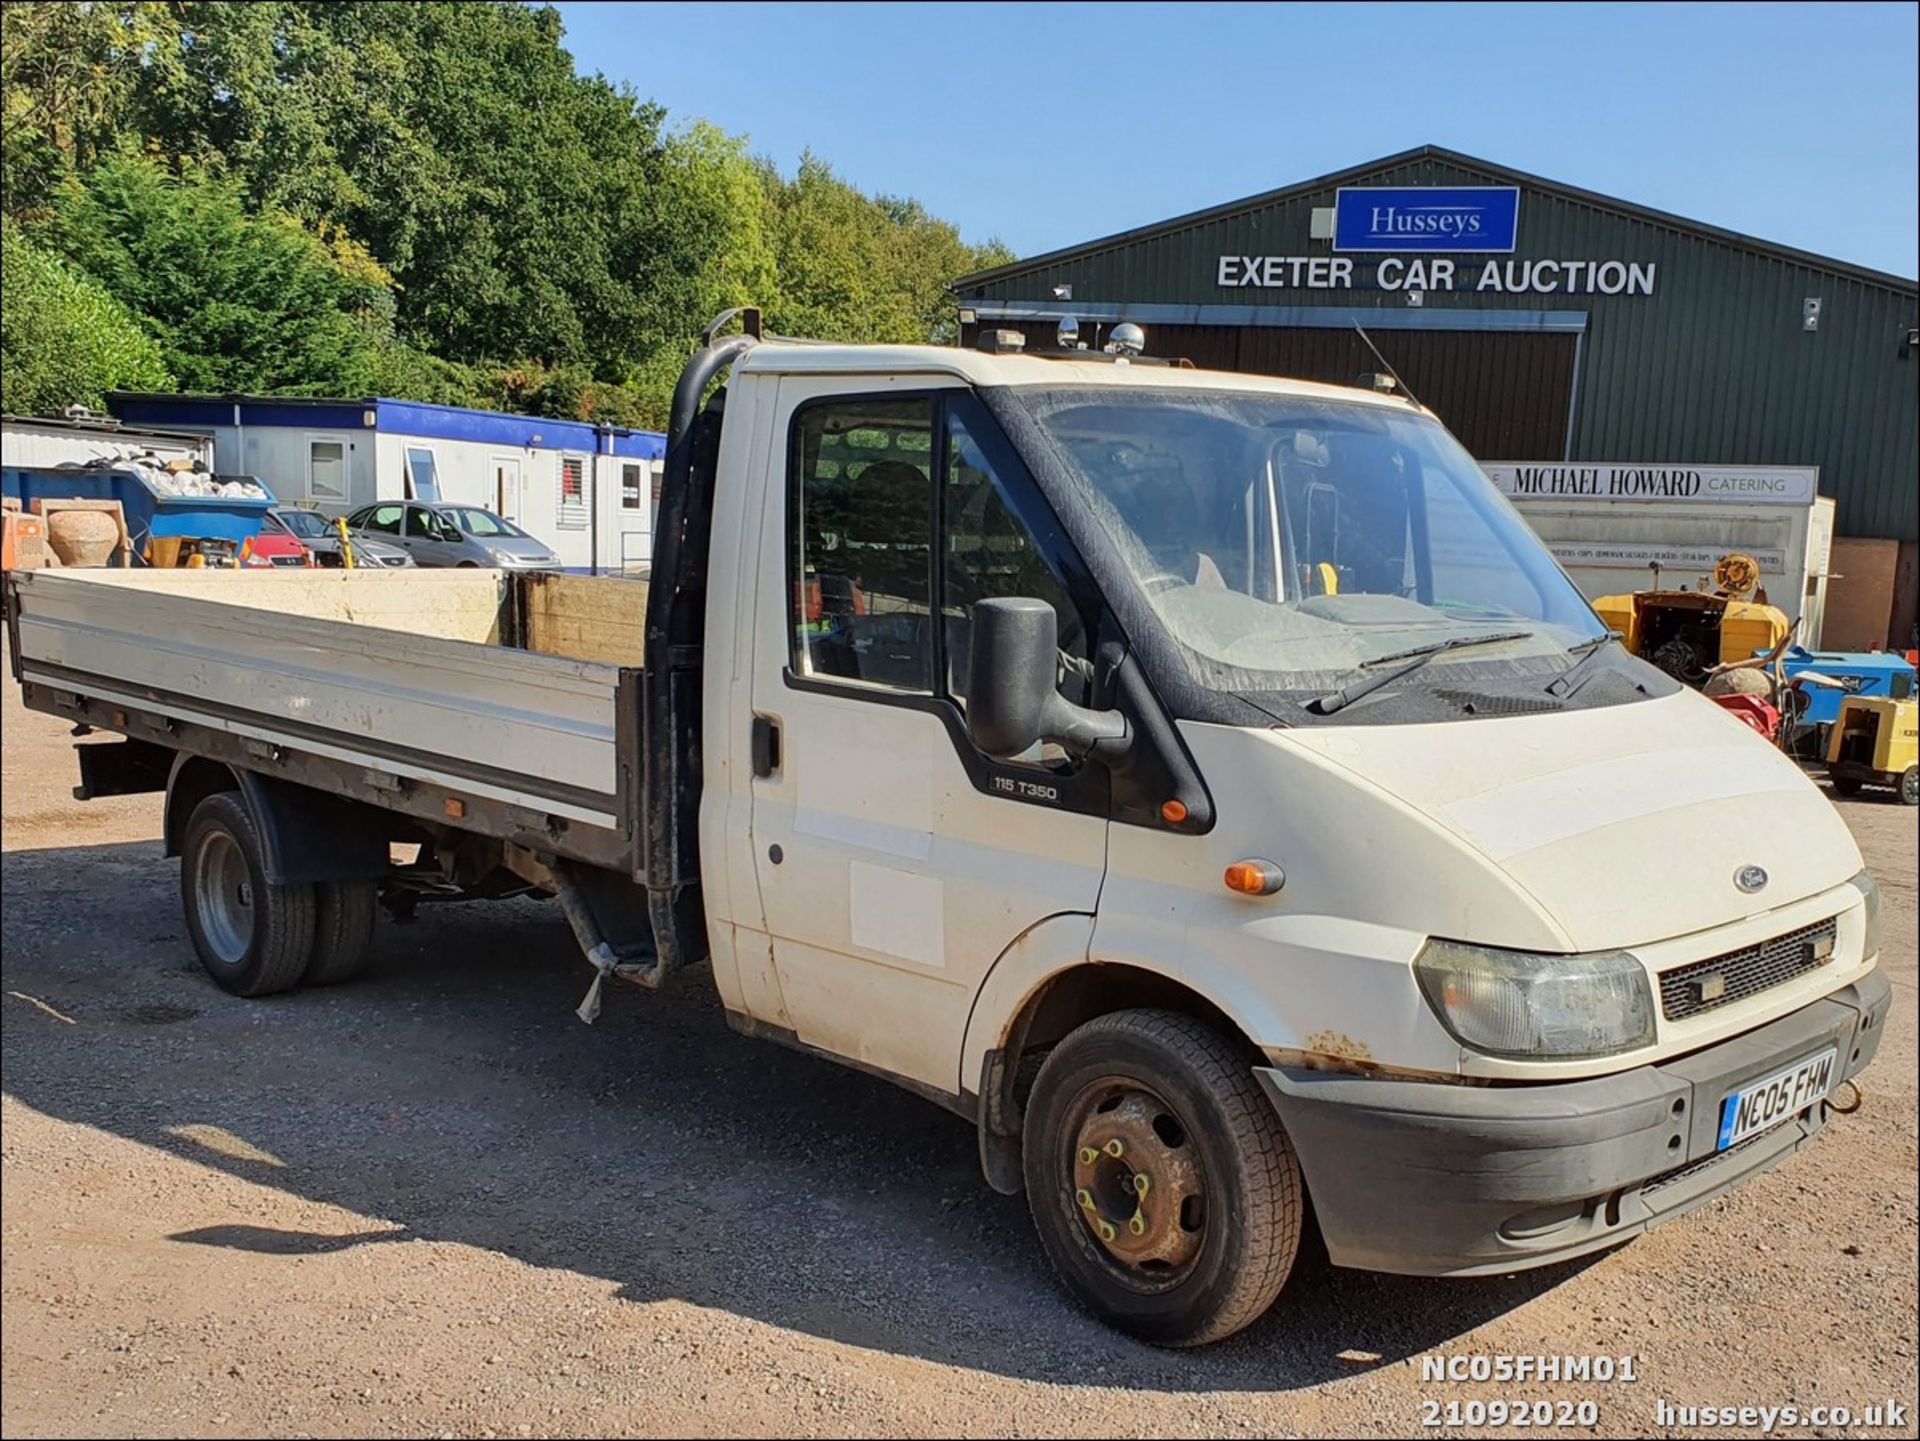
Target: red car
(275, 545)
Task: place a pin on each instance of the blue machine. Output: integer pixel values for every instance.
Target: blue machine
(1860, 672)
(148, 513)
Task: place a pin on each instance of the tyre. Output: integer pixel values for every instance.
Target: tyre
(253, 938)
(342, 931)
(1844, 785)
(1166, 1194)
(1910, 786)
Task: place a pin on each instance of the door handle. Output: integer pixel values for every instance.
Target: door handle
(764, 743)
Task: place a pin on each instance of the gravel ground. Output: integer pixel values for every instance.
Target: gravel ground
(432, 1202)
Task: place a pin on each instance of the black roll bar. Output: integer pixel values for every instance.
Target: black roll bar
(675, 637)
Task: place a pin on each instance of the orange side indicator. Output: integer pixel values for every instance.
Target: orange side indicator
(1255, 878)
(1173, 812)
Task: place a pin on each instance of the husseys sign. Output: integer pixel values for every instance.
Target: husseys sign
(1479, 217)
(1432, 225)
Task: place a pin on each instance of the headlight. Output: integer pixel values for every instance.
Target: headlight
(1870, 893)
(1515, 1003)
(502, 557)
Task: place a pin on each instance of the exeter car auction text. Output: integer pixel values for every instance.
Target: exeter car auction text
(1506, 277)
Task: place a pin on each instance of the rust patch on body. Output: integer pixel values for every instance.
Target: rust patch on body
(1339, 1046)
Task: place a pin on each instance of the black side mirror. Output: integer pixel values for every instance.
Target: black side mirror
(1012, 671)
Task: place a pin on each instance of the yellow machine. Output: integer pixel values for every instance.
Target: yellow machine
(1874, 744)
(1688, 632)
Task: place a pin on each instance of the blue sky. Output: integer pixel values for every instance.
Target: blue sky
(1050, 124)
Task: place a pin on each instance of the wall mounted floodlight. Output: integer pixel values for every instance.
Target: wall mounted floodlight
(1810, 313)
(1063, 292)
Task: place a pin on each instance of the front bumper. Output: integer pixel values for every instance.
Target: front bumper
(1441, 1180)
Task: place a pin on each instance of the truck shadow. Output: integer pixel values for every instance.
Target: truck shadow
(452, 1095)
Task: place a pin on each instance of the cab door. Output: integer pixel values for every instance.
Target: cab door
(895, 862)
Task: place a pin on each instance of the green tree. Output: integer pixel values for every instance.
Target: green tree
(63, 339)
(507, 195)
(427, 199)
(860, 267)
(240, 301)
(69, 77)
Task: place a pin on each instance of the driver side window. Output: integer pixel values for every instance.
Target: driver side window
(860, 522)
(861, 508)
(988, 554)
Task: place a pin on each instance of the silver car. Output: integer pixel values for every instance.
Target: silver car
(447, 532)
(322, 537)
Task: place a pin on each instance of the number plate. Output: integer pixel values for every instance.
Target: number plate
(1772, 1099)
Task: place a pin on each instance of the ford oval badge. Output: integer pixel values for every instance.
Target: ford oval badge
(1750, 879)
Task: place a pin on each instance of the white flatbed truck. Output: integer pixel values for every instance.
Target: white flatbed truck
(1203, 783)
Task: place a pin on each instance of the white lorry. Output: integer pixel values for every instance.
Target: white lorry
(1203, 783)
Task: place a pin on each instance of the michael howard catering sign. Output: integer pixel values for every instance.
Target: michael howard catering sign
(1480, 217)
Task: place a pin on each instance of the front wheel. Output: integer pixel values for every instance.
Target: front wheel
(1166, 1194)
(1910, 786)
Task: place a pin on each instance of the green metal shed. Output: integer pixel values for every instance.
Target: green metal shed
(1592, 329)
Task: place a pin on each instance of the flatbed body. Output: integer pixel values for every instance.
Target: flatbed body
(418, 691)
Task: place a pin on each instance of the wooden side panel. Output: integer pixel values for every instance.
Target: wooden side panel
(596, 618)
(444, 604)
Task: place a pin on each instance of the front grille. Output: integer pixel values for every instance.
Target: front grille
(1653, 1185)
(1707, 985)
(289, 559)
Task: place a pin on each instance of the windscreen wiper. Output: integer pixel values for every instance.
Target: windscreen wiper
(1340, 699)
(1562, 685)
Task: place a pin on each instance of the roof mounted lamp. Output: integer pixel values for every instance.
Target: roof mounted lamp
(1067, 335)
(1127, 339)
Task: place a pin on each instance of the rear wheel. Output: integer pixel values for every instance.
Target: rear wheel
(1166, 1193)
(1844, 785)
(342, 931)
(253, 938)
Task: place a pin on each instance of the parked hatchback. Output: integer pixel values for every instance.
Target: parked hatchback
(322, 537)
(276, 546)
(449, 533)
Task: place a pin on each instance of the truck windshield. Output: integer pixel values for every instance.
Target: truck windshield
(1285, 540)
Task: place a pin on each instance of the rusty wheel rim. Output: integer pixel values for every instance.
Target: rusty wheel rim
(1137, 1183)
